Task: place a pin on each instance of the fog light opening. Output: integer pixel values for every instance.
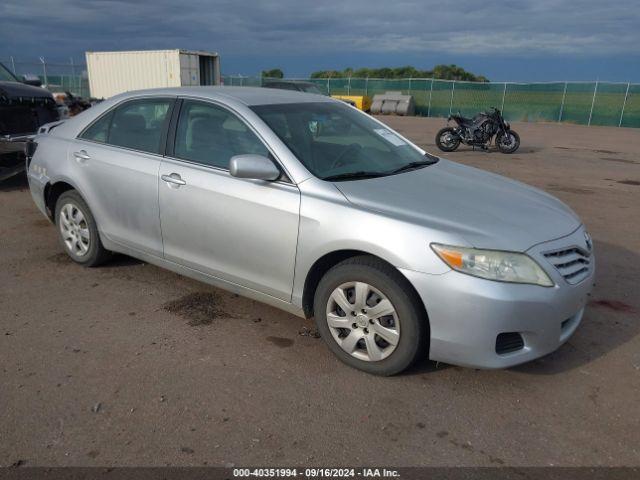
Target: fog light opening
(509, 342)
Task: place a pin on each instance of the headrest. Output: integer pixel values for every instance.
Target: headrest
(130, 121)
(206, 126)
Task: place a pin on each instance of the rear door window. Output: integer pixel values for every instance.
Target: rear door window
(139, 124)
(99, 130)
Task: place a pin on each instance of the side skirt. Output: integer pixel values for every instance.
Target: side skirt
(203, 277)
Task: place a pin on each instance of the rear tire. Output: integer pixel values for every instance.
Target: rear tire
(447, 140)
(508, 143)
(78, 232)
(384, 330)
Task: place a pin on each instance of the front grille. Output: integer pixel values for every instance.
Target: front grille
(509, 342)
(572, 263)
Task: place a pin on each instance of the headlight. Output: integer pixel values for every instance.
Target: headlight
(493, 264)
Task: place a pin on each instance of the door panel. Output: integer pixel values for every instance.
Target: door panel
(122, 191)
(118, 159)
(243, 231)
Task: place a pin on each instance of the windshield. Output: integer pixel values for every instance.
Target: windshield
(336, 142)
(6, 75)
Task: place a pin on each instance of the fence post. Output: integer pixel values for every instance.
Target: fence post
(328, 85)
(504, 93)
(73, 77)
(409, 85)
(349, 86)
(430, 94)
(44, 70)
(453, 89)
(593, 101)
(366, 86)
(13, 65)
(626, 94)
(564, 94)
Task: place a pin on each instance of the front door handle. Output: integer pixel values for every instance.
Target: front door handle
(81, 156)
(174, 179)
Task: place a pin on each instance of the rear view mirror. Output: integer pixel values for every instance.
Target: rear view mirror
(255, 167)
(314, 128)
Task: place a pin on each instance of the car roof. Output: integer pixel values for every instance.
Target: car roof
(249, 96)
(287, 82)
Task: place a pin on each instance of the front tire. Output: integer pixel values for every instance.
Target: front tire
(77, 230)
(370, 317)
(447, 139)
(508, 142)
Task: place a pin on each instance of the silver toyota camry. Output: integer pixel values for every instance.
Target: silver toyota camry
(307, 204)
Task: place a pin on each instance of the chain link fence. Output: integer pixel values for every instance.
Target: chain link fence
(56, 77)
(585, 103)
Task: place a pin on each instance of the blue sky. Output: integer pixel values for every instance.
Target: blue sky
(526, 40)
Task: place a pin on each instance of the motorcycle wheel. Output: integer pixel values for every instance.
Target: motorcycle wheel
(509, 142)
(447, 140)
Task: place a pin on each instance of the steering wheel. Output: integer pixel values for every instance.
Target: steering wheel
(353, 148)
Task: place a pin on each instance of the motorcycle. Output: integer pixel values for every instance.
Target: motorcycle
(478, 132)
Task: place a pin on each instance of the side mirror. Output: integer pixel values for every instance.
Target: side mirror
(255, 167)
(32, 80)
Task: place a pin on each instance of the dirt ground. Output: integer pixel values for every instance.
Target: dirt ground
(128, 364)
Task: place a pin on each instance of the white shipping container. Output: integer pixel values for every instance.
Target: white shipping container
(111, 73)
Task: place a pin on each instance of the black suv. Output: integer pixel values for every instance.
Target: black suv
(23, 108)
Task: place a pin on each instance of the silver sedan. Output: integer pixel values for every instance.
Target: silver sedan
(307, 204)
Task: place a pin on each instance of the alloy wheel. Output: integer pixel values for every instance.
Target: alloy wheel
(508, 140)
(448, 140)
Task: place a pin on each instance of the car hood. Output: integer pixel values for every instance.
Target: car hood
(21, 90)
(487, 210)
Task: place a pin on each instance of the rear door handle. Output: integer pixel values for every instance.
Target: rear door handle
(174, 179)
(81, 156)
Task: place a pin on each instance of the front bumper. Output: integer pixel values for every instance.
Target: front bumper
(466, 314)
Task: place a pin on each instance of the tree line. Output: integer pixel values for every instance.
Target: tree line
(442, 72)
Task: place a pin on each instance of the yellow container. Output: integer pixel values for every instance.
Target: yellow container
(361, 102)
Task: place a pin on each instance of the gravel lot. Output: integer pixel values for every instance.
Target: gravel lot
(128, 364)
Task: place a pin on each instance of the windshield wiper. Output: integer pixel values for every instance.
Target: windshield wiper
(354, 176)
(415, 165)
